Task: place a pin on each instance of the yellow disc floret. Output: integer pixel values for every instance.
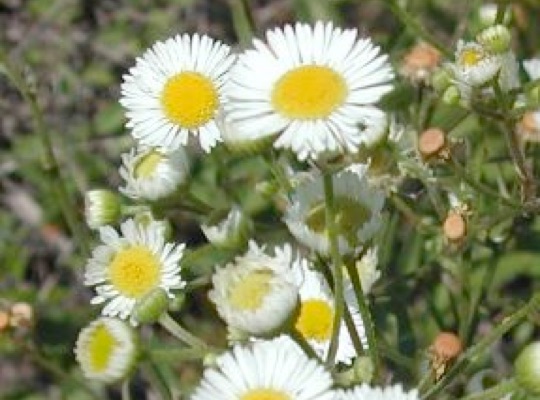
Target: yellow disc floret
(189, 99)
(134, 271)
(265, 394)
(309, 92)
(470, 57)
(146, 166)
(249, 292)
(315, 320)
(100, 348)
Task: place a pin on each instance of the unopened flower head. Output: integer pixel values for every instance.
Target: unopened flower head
(269, 370)
(175, 90)
(358, 211)
(130, 264)
(106, 350)
(527, 368)
(365, 392)
(231, 231)
(316, 316)
(101, 207)
(420, 62)
(256, 294)
(151, 174)
(495, 39)
(313, 86)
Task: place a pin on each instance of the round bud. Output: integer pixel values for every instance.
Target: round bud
(451, 95)
(496, 39)
(101, 207)
(527, 368)
(432, 143)
(441, 80)
(150, 307)
(455, 227)
(447, 345)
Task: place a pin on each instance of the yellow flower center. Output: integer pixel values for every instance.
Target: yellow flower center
(265, 394)
(350, 216)
(147, 165)
(309, 92)
(315, 320)
(100, 348)
(134, 271)
(248, 294)
(189, 99)
(470, 57)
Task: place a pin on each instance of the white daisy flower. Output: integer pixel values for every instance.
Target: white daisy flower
(106, 350)
(474, 65)
(315, 86)
(256, 293)
(101, 207)
(316, 315)
(230, 232)
(358, 211)
(129, 265)
(365, 392)
(176, 89)
(152, 174)
(269, 370)
(532, 67)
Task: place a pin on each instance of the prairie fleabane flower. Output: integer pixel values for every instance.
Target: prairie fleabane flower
(101, 207)
(265, 370)
(126, 267)
(106, 350)
(315, 318)
(256, 293)
(176, 89)
(365, 392)
(358, 214)
(152, 174)
(312, 85)
(474, 65)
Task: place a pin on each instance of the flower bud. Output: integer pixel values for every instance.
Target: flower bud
(533, 96)
(455, 227)
(150, 307)
(21, 315)
(146, 217)
(101, 207)
(230, 232)
(451, 95)
(441, 80)
(360, 372)
(496, 39)
(443, 352)
(432, 144)
(527, 368)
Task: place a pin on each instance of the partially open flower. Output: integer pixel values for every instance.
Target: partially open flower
(474, 65)
(257, 293)
(101, 207)
(420, 62)
(106, 350)
(445, 349)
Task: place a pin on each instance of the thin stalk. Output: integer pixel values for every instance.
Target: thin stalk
(175, 329)
(51, 165)
(337, 269)
(471, 355)
(242, 20)
(157, 380)
(411, 23)
(373, 348)
(496, 392)
(125, 390)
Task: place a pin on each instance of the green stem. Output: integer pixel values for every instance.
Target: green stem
(337, 269)
(125, 390)
(175, 329)
(496, 392)
(242, 20)
(373, 349)
(50, 163)
(471, 355)
(409, 21)
(157, 380)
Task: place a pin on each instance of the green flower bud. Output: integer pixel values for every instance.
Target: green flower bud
(101, 207)
(229, 231)
(496, 39)
(146, 217)
(360, 372)
(441, 80)
(451, 95)
(533, 96)
(150, 307)
(527, 368)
